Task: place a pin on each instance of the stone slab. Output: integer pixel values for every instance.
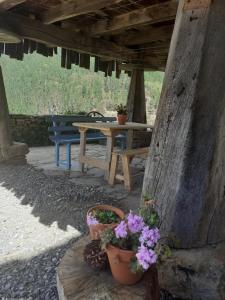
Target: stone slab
(14, 152)
(195, 274)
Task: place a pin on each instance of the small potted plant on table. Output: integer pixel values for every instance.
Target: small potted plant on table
(101, 217)
(121, 114)
(131, 246)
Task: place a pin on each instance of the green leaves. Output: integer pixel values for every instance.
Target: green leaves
(134, 266)
(150, 216)
(106, 216)
(121, 109)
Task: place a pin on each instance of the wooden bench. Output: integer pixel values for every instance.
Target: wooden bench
(63, 133)
(126, 156)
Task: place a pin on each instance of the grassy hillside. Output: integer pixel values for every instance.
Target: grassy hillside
(38, 85)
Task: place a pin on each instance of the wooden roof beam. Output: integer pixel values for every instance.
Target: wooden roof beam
(75, 8)
(149, 35)
(7, 4)
(149, 15)
(54, 35)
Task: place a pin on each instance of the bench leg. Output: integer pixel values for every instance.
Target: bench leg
(68, 156)
(57, 154)
(126, 172)
(113, 169)
(82, 147)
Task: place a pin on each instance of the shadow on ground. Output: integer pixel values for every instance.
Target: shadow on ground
(60, 198)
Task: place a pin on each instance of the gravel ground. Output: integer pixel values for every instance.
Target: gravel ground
(40, 217)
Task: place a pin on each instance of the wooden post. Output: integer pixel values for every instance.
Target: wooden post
(8, 149)
(136, 103)
(185, 171)
(5, 133)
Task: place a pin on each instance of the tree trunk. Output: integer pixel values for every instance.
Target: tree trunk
(185, 171)
(5, 133)
(136, 104)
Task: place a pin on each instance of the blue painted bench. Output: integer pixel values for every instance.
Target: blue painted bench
(63, 133)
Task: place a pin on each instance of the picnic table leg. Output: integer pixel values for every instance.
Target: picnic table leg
(82, 146)
(110, 144)
(130, 134)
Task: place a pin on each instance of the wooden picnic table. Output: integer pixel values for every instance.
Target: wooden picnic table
(110, 130)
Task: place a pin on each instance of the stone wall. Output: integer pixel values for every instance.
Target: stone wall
(32, 130)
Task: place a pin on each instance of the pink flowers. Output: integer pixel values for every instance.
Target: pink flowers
(133, 231)
(149, 237)
(135, 223)
(91, 220)
(138, 234)
(121, 230)
(146, 257)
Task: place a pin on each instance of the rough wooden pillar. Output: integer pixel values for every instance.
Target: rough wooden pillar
(185, 171)
(136, 103)
(5, 134)
(8, 149)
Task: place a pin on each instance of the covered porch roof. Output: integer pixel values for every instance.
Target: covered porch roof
(132, 33)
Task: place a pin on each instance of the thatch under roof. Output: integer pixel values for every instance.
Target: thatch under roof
(132, 33)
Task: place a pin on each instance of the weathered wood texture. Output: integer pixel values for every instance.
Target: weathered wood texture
(152, 14)
(7, 4)
(185, 172)
(72, 9)
(75, 280)
(136, 35)
(136, 104)
(56, 36)
(5, 132)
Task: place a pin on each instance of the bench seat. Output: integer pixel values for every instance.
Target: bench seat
(126, 156)
(75, 138)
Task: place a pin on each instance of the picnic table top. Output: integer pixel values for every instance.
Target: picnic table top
(112, 125)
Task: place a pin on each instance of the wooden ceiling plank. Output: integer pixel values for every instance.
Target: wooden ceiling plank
(8, 4)
(152, 14)
(75, 8)
(145, 36)
(54, 35)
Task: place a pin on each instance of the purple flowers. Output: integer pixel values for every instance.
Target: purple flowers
(149, 237)
(91, 220)
(135, 223)
(146, 257)
(121, 230)
(134, 234)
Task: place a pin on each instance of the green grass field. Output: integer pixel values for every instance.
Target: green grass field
(38, 85)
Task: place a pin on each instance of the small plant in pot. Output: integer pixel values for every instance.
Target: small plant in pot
(132, 246)
(121, 114)
(101, 217)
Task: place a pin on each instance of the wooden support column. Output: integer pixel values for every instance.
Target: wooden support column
(185, 171)
(136, 103)
(5, 133)
(8, 149)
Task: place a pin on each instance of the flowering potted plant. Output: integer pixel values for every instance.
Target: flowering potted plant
(101, 217)
(131, 245)
(121, 114)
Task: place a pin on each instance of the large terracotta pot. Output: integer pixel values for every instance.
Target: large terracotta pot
(121, 119)
(119, 261)
(96, 229)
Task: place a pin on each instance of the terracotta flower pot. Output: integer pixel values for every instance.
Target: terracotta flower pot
(119, 261)
(121, 119)
(96, 229)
